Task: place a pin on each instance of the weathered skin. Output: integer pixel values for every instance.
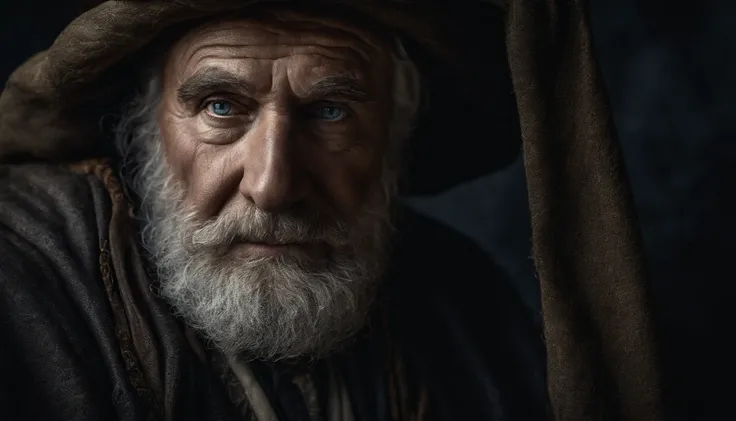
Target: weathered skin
(274, 148)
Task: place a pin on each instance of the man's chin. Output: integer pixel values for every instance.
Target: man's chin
(273, 306)
(301, 340)
(301, 252)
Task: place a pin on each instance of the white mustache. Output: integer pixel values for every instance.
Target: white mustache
(255, 225)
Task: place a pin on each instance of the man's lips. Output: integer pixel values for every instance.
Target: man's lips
(270, 249)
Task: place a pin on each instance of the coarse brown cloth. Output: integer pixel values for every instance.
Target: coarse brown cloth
(601, 343)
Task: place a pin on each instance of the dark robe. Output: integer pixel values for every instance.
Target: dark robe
(82, 336)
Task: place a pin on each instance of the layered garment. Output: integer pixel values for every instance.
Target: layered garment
(83, 337)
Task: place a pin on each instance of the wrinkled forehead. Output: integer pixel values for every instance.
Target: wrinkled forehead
(335, 44)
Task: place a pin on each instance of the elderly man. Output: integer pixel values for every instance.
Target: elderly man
(239, 252)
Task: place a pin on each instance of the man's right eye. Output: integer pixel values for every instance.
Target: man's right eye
(220, 108)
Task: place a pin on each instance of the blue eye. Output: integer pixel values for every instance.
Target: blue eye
(330, 112)
(220, 108)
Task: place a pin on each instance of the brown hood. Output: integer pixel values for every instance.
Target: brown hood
(59, 104)
(602, 361)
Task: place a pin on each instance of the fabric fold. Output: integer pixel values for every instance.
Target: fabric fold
(602, 357)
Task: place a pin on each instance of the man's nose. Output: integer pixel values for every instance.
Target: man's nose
(273, 177)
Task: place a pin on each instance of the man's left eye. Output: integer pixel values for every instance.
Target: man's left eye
(220, 108)
(328, 112)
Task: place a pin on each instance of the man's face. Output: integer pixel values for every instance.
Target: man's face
(266, 181)
(280, 116)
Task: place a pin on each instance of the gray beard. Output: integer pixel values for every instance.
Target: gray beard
(265, 308)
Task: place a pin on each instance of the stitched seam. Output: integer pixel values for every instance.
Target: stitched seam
(101, 170)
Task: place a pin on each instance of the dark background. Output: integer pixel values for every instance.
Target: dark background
(670, 67)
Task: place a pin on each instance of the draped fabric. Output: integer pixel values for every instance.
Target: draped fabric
(83, 336)
(601, 344)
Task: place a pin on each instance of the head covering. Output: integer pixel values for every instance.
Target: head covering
(602, 360)
(54, 105)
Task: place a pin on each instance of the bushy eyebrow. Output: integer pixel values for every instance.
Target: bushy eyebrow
(212, 79)
(339, 87)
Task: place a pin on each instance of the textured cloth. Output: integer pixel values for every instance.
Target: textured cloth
(601, 345)
(54, 105)
(83, 337)
(338, 406)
